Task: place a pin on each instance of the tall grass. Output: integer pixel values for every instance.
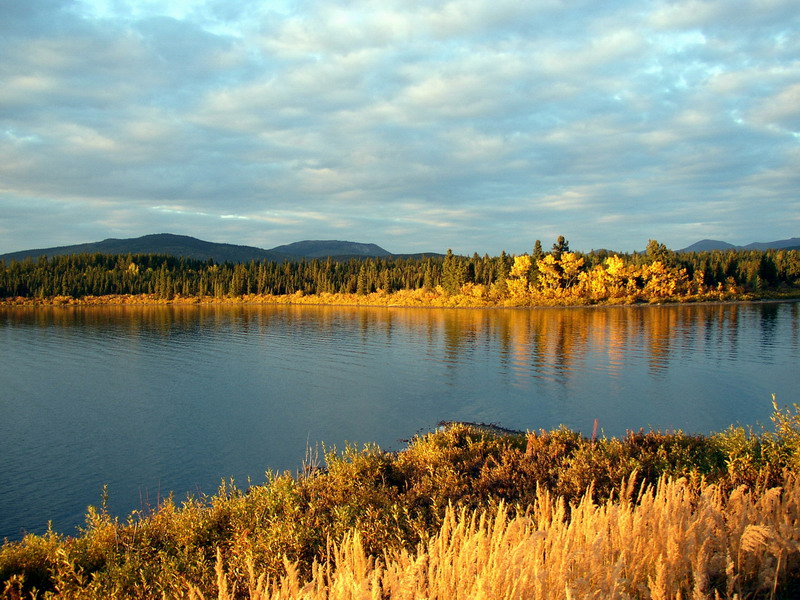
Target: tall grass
(671, 541)
(462, 512)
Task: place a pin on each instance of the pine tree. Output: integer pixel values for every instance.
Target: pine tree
(560, 247)
(538, 253)
(454, 273)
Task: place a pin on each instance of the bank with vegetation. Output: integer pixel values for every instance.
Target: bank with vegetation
(556, 277)
(463, 512)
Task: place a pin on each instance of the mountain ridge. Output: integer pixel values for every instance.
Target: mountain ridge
(194, 248)
(325, 248)
(708, 245)
(197, 249)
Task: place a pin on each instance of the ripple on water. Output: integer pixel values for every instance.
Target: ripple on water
(152, 399)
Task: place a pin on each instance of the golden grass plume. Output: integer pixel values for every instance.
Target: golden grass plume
(672, 540)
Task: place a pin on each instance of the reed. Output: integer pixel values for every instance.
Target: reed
(671, 540)
(462, 512)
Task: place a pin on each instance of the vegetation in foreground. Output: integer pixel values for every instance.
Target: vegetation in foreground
(557, 277)
(667, 542)
(463, 512)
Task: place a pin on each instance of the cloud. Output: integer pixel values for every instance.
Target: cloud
(468, 124)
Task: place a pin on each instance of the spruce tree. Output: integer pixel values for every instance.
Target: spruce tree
(560, 247)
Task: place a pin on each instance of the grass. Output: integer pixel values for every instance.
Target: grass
(670, 540)
(461, 513)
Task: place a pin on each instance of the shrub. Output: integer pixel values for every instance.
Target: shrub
(396, 501)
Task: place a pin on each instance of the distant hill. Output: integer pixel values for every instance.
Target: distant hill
(159, 243)
(189, 247)
(708, 245)
(325, 248)
(790, 243)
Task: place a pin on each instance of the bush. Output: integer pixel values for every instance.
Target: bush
(395, 500)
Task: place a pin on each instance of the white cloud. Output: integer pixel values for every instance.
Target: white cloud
(780, 111)
(468, 124)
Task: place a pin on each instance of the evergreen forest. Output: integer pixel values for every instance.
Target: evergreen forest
(557, 276)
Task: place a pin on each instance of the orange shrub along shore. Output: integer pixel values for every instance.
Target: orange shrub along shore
(467, 511)
(436, 298)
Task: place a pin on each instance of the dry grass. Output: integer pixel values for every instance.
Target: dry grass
(462, 512)
(671, 541)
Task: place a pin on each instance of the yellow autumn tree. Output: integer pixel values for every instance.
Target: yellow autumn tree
(522, 265)
(595, 283)
(571, 265)
(517, 285)
(559, 277)
(614, 280)
(565, 279)
(549, 273)
(662, 282)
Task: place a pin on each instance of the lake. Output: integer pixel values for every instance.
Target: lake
(154, 399)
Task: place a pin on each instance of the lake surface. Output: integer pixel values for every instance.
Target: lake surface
(153, 399)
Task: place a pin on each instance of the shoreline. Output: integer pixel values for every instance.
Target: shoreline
(406, 503)
(378, 300)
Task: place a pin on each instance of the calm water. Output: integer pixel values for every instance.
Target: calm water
(156, 399)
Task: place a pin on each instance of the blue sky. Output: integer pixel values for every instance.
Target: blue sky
(476, 125)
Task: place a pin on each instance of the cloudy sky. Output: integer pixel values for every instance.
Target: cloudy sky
(476, 125)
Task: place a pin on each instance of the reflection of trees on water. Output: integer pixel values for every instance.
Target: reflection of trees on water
(740, 327)
(657, 326)
(162, 320)
(716, 323)
(529, 343)
(546, 343)
(554, 343)
(769, 321)
(460, 336)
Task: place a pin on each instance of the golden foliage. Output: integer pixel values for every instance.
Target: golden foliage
(558, 278)
(661, 282)
(521, 268)
(463, 510)
(672, 541)
(554, 281)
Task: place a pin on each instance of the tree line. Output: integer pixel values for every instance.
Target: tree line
(556, 274)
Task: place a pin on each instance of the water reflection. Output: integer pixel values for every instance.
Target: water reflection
(149, 398)
(551, 343)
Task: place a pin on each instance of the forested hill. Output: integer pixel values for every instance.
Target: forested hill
(189, 247)
(709, 245)
(326, 248)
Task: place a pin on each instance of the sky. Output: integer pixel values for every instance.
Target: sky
(476, 125)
